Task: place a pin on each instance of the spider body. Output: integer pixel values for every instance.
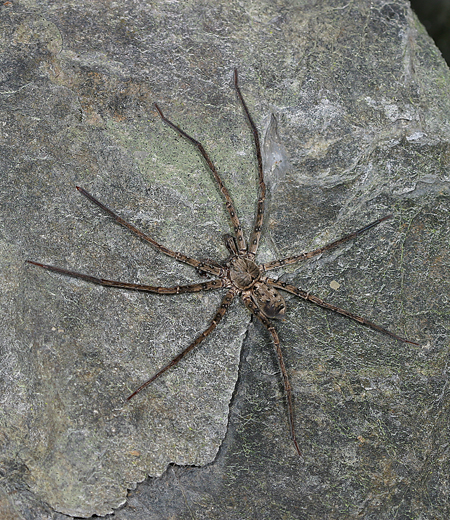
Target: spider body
(269, 301)
(245, 277)
(243, 272)
(240, 274)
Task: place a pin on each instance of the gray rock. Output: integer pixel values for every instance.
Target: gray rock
(352, 105)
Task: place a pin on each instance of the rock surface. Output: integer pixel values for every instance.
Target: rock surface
(352, 102)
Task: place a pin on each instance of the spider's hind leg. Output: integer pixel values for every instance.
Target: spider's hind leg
(253, 308)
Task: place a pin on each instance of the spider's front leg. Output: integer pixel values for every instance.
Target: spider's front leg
(173, 254)
(259, 218)
(228, 201)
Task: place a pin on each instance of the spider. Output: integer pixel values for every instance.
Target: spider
(240, 275)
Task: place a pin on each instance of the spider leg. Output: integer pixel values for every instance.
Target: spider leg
(287, 385)
(179, 289)
(229, 203)
(256, 234)
(314, 299)
(331, 245)
(228, 298)
(178, 256)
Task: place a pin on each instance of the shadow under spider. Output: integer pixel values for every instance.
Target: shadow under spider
(240, 275)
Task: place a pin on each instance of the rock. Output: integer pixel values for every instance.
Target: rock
(352, 106)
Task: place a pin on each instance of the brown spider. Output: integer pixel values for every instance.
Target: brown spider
(239, 274)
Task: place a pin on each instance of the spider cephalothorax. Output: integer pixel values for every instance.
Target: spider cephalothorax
(244, 273)
(245, 276)
(240, 274)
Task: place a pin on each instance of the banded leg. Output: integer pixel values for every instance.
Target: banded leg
(229, 203)
(314, 299)
(228, 298)
(179, 289)
(287, 385)
(331, 245)
(256, 234)
(210, 269)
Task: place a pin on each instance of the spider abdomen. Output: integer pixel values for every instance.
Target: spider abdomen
(269, 301)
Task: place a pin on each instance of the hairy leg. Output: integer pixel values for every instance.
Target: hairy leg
(178, 289)
(228, 201)
(226, 301)
(314, 299)
(304, 256)
(256, 234)
(287, 386)
(173, 254)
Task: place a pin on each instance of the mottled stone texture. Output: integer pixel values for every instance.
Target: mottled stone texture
(352, 101)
